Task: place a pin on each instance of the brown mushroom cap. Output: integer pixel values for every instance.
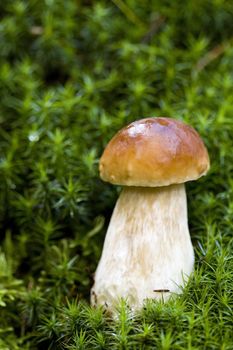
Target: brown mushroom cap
(154, 152)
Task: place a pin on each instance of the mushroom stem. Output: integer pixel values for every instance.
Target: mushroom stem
(147, 250)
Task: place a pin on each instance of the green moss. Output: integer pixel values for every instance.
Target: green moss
(73, 73)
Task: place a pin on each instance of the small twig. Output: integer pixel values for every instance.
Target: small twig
(154, 28)
(161, 290)
(211, 56)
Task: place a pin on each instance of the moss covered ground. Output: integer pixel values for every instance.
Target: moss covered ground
(71, 74)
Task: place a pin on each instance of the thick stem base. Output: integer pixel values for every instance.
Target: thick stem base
(147, 251)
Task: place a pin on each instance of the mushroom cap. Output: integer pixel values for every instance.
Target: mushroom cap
(154, 152)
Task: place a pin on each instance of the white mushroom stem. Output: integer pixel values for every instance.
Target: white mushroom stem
(147, 250)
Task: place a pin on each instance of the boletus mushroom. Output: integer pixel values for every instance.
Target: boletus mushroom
(147, 251)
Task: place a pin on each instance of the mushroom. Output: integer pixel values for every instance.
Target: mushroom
(147, 251)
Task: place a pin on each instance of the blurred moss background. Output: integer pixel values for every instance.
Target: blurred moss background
(71, 74)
